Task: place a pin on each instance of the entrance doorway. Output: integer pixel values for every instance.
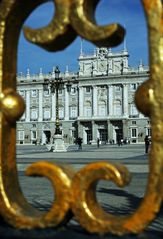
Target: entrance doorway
(89, 136)
(47, 136)
(119, 135)
(103, 135)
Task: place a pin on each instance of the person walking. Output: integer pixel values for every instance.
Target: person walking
(79, 142)
(98, 142)
(146, 140)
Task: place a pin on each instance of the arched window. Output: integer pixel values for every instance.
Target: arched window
(87, 109)
(117, 107)
(102, 108)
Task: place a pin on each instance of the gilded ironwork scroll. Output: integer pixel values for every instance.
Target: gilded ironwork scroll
(75, 192)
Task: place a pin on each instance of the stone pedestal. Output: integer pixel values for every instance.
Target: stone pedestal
(58, 145)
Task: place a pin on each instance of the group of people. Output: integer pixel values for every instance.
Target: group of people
(147, 141)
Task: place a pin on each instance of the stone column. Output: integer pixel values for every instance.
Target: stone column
(125, 100)
(28, 105)
(40, 110)
(81, 101)
(66, 104)
(53, 105)
(110, 92)
(110, 131)
(95, 96)
(80, 130)
(94, 132)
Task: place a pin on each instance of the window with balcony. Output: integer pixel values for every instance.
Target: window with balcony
(102, 108)
(87, 109)
(61, 112)
(73, 112)
(117, 107)
(133, 110)
(34, 114)
(46, 114)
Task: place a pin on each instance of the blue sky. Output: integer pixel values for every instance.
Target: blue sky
(128, 13)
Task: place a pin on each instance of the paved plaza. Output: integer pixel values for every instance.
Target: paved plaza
(119, 201)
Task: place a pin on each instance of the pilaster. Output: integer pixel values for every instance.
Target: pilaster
(40, 111)
(27, 105)
(125, 100)
(66, 104)
(81, 101)
(94, 132)
(95, 96)
(110, 93)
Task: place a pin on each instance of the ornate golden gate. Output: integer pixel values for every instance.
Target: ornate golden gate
(75, 192)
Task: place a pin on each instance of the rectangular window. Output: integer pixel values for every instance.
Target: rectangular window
(46, 114)
(88, 111)
(117, 109)
(133, 110)
(134, 132)
(34, 93)
(88, 89)
(133, 122)
(73, 112)
(34, 114)
(133, 87)
(102, 110)
(46, 92)
(20, 134)
(61, 113)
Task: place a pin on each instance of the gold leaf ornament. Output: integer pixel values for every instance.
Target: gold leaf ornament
(72, 18)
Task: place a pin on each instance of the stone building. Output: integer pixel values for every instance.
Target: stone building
(99, 105)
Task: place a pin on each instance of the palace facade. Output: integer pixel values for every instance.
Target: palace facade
(99, 105)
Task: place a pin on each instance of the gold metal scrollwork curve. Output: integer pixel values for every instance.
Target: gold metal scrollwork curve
(72, 18)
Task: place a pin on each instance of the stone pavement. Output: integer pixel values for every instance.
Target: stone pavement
(119, 201)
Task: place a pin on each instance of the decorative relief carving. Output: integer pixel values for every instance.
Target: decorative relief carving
(76, 192)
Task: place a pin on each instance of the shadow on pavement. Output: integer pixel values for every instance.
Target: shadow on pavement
(72, 231)
(131, 205)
